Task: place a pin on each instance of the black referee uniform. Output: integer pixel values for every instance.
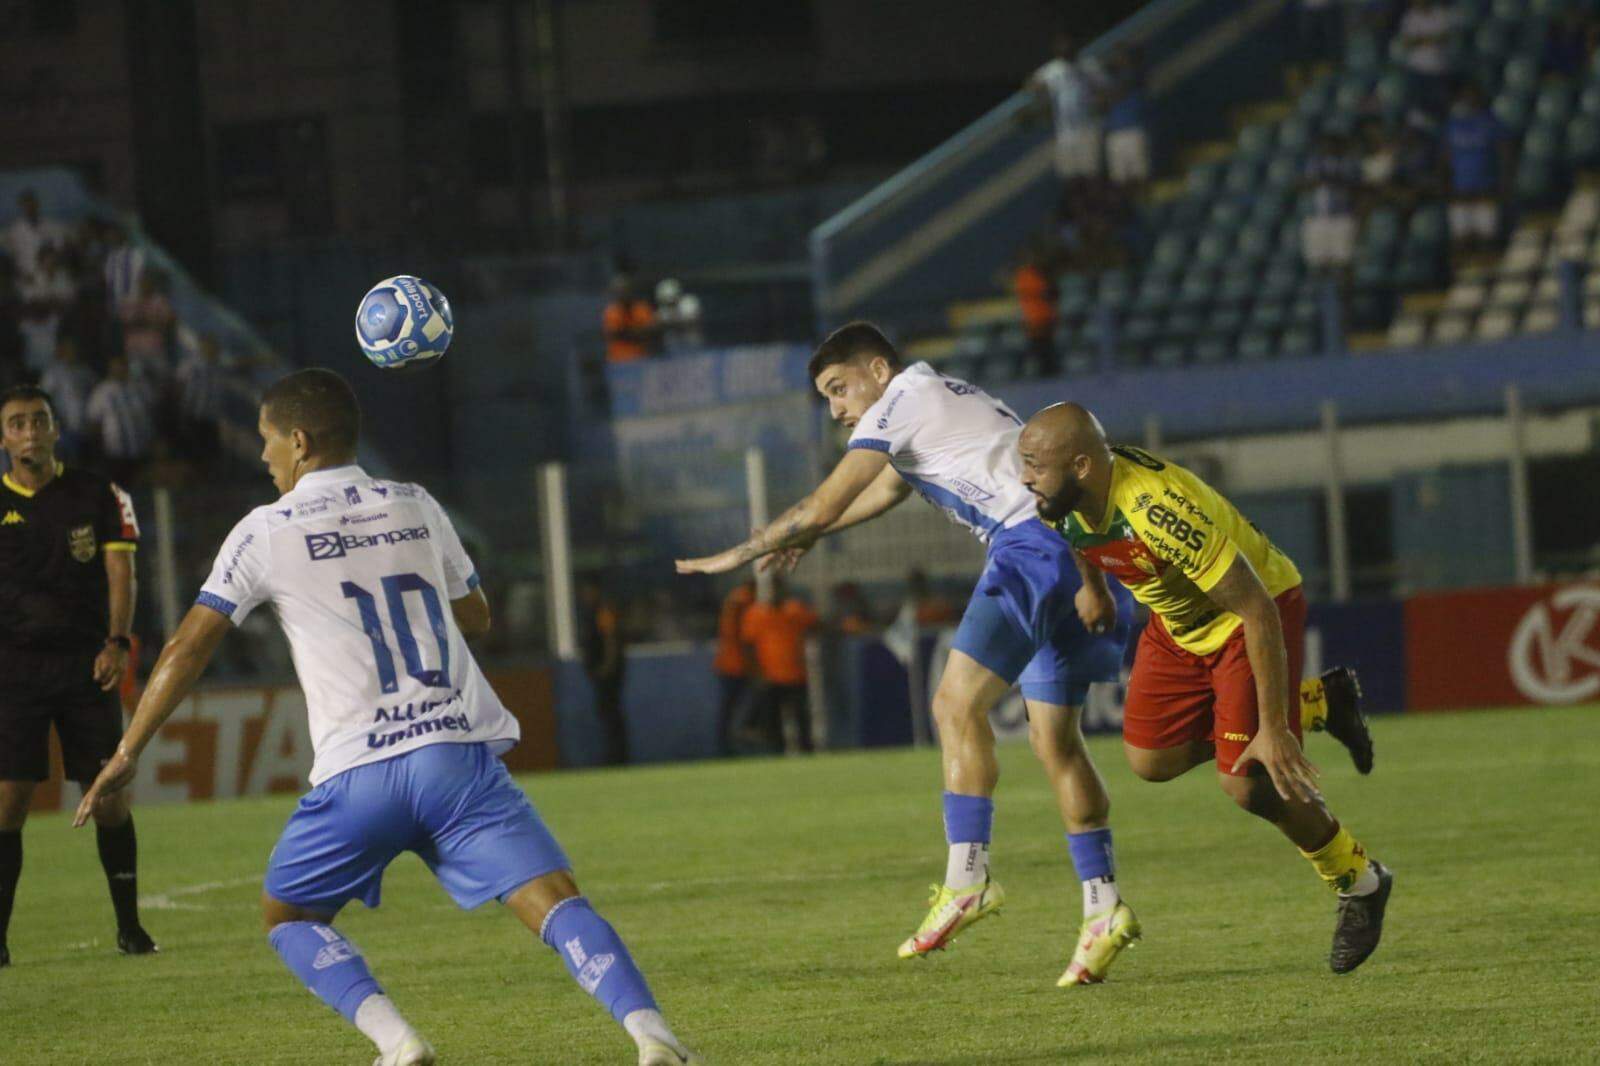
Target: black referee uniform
(54, 622)
(54, 613)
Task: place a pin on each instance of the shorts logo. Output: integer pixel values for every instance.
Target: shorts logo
(1242, 737)
(81, 543)
(325, 546)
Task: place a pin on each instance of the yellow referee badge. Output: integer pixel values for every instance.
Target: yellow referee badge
(81, 542)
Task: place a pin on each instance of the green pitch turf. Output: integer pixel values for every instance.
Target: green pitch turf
(765, 900)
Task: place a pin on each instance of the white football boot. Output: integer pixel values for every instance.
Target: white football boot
(412, 1051)
(655, 1053)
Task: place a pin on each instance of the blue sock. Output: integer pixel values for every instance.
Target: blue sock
(326, 963)
(1091, 854)
(967, 819)
(596, 957)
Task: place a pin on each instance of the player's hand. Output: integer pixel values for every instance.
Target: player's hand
(1096, 610)
(115, 775)
(109, 666)
(1279, 753)
(720, 563)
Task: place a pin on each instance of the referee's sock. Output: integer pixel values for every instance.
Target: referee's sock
(119, 856)
(10, 870)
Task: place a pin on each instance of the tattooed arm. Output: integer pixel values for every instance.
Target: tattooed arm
(806, 520)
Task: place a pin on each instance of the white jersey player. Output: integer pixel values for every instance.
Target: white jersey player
(914, 428)
(377, 596)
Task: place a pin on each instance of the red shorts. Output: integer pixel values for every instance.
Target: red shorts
(1176, 697)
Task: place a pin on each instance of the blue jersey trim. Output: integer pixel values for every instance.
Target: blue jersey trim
(872, 443)
(940, 496)
(473, 581)
(216, 603)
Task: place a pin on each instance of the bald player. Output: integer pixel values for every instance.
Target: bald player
(1216, 669)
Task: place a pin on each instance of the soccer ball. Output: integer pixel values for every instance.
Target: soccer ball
(404, 323)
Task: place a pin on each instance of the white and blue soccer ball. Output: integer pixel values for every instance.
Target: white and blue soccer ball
(404, 323)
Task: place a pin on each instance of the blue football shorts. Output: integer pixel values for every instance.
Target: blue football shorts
(1022, 624)
(455, 805)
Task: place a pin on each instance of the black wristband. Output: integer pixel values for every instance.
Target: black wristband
(122, 642)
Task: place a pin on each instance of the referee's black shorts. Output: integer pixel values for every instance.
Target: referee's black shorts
(39, 689)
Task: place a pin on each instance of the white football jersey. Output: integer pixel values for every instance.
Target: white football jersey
(361, 573)
(955, 444)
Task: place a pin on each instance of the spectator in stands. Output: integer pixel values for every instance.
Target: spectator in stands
(1425, 33)
(46, 294)
(1568, 43)
(851, 615)
(69, 383)
(1127, 145)
(121, 416)
(1035, 286)
(1479, 158)
(1072, 85)
(1328, 234)
(1400, 165)
(201, 383)
(148, 324)
(123, 265)
(926, 607)
(733, 666)
(29, 232)
(630, 325)
(678, 316)
(777, 631)
(604, 660)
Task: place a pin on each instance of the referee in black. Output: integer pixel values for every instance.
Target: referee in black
(66, 605)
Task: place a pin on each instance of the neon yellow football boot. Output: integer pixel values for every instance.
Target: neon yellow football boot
(1100, 940)
(949, 912)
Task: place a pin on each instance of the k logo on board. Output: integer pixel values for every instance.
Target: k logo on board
(1552, 657)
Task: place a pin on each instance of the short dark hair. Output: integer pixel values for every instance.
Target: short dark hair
(850, 341)
(320, 404)
(16, 393)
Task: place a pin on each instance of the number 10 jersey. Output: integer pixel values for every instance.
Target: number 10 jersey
(361, 573)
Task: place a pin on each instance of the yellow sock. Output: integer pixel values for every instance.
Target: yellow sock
(1313, 705)
(1341, 861)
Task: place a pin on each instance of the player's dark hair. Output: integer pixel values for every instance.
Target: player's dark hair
(850, 341)
(15, 393)
(320, 404)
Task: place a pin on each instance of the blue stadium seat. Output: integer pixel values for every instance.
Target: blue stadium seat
(1244, 174)
(1298, 342)
(1115, 289)
(1156, 293)
(1555, 103)
(1077, 295)
(1583, 140)
(1512, 108)
(1522, 74)
(1225, 321)
(1197, 290)
(1238, 286)
(1256, 345)
(1141, 329)
(1255, 141)
(1204, 179)
(1169, 354)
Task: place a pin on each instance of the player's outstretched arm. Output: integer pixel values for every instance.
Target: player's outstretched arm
(805, 521)
(887, 491)
(1273, 746)
(182, 662)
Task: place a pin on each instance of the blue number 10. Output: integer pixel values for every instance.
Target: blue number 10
(395, 587)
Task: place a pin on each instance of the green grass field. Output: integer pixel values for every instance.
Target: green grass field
(765, 900)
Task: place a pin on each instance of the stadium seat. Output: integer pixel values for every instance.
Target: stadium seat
(1204, 179)
(1589, 100)
(1492, 39)
(1141, 329)
(1352, 92)
(1536, 180)
(1497, 323)
(1363, 54)
(1238, 286)
(1170, 354)
(1408, 331)
(1182, 325)
(1197, 289)
(1298, 342)
(1382, 229)
(1256, 345)
(1542, 141)
(1554, 105)
(1583, 140)
(1171, 251)
(1512, 108)
(1541, 318)
(1226, 215)
(1212, 350)
(1591, 314)
(1511, 291)
(1451, 329)
(1280, 277)
(1115, 289)
(1212, 251)
(1283, 172)
(1224, 322)
(1269, 315)
(1394, 92)
(1521, 75)
(1077, 295)
(1156, 294)
(1312, 103)
(1255, 141)
(1548, 288)
(1467, 296)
